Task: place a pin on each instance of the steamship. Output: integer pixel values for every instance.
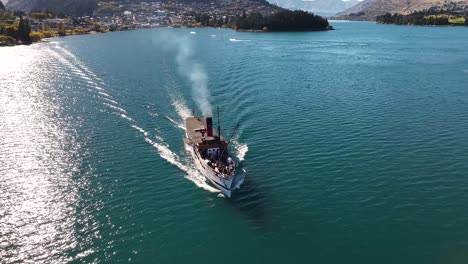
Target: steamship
(210, 154)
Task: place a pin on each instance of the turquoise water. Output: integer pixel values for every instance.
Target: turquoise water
(355, 143)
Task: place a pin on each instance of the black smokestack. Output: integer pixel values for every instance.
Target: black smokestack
(209, 126)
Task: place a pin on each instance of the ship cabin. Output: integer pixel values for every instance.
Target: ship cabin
(207, 141)
(208, 144)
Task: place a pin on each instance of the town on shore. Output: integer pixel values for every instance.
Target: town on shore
(25, 28)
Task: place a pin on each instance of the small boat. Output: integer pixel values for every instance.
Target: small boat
(211, 156)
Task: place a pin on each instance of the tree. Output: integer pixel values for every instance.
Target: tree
(19, 13)
(96, 27)
(11, 30)
(5, 16)
(7, 41)
(36, 36)
(466, 21)
(2, 28)
(39, 15)
(23, 31)
(385, 19)
(285, 20)
(205, 19)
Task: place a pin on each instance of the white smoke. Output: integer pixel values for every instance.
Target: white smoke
(200, 91)
(189, 68)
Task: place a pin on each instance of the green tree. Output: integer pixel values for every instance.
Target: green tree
(285, 20)
(425, 17)
(19, 13)
(11, 30)
(5, 16)
(40, 16)
(23, 31)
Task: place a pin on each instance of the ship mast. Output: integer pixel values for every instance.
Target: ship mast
(219, 135)
(230, 138)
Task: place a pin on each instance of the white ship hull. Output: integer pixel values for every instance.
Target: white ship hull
(225, 185)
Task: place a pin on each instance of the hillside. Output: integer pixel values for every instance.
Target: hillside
(74, 7)
(370, 9)
(2, 7)
(320, 7)
(86, 7)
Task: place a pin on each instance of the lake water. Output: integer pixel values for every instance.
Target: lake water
(355, 143)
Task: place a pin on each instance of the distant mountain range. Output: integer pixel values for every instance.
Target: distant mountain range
(320, 7)
(369, 9)
(74, 7)
(86, 7)
(2, 7)
(345, 9)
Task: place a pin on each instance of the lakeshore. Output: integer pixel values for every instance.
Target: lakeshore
(111, 16)
(108, 17)
(281, 21)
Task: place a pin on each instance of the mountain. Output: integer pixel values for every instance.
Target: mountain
(320, 7)
(75, 7)
(2, 7)
(369, 9)
(86, 7)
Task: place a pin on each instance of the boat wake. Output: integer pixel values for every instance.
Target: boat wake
(241, 149)
(141, 130)
(239, 40)
(157, 141)
(92, 82)
(192, 174)
(177, 124)
(181, 107)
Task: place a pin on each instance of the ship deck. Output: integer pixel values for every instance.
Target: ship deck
(193, 123)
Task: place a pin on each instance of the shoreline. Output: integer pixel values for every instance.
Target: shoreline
(285, 31)
(46, 39)
(416, 25)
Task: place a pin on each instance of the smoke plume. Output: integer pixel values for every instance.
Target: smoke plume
(189, 68)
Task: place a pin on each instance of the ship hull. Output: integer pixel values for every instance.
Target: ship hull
(226, 186)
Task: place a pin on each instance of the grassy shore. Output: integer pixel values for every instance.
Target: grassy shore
(456, 20)
(37, 36)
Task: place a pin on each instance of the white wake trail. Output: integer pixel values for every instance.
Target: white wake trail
(70, 60)
(120, 109)
(78, 62)
(140, 129)
(239, 40)
(240, 148)
(177, 124)
(181, 108)
(192, 174)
